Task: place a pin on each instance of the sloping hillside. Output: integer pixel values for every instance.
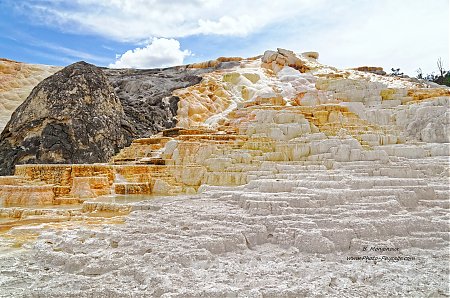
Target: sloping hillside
(283, 178)
(16, 82)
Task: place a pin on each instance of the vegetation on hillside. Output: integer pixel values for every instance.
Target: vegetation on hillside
(441, 78)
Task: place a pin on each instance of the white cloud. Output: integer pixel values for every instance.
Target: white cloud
(160, 52)
(134, 20)
(55, 51)
(71, 52)
(403, 33)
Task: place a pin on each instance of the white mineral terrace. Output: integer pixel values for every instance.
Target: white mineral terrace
(305, 181)
(297, 230)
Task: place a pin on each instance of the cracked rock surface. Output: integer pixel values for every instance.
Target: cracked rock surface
(146, 95)
(73, 116)
(85, 114)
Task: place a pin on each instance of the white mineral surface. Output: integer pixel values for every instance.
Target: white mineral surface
(314, 203)
(16, 82)
(296, 232)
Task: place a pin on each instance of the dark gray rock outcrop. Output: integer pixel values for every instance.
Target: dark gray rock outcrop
(73, 116)
(86, 114)
(146, 95)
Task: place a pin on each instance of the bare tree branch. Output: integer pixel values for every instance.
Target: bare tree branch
(440, 67)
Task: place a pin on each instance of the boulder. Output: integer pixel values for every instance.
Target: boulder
(281, 58)
(312, 55)
(71, 117)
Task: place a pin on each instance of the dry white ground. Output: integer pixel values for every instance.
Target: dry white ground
(295, 232)
(336, 220)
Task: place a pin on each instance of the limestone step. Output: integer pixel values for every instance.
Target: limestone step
(22, 212)
(130, 188)
(12, 180)
(151, 161)
(445, 204)
(66, 200)
(22, 195)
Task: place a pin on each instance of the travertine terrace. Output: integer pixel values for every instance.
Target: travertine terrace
(16, 81)
(286, 178)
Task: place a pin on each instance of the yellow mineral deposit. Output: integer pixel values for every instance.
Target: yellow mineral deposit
(214, 63)
(236, 126)
(200, 102)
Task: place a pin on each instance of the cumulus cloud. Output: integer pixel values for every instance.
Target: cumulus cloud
(134, 20)
(401, 33)
(159, 52)
(380, 33)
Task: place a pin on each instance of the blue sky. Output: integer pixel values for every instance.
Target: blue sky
(151, 33)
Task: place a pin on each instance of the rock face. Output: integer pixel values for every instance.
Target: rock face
(145, 106)
(73, 116)
(146, 95)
